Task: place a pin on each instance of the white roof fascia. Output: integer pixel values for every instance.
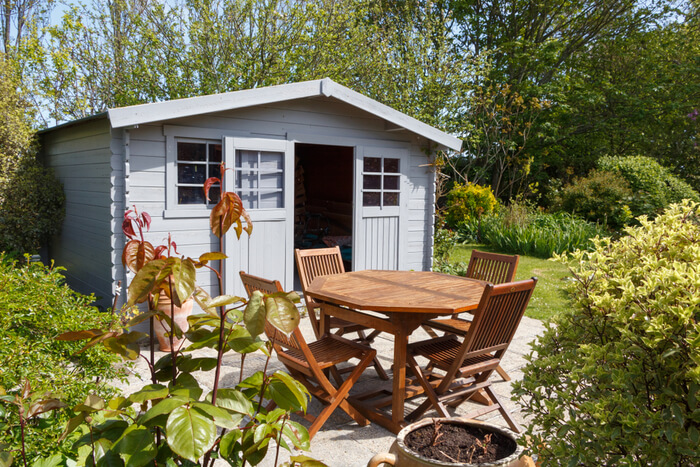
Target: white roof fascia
(145, 113)
(333, 89)
(158, 111)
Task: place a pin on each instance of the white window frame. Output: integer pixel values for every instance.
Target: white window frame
(381, 190)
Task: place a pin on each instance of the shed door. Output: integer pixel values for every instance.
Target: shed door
(262, 175)
(381, 208)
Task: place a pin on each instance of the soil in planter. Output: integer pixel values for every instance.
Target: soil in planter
(459, 443)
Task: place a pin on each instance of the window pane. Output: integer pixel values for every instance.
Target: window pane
(271, 200)
(190, 195)
(250, 200)
(191, 151)
(191, 173)
(373, 164)
(372, 182)
(391, 182)
(214, 153)
(271, 160)
(215, 171)
(214, 194)
(271, 181)
(370, 198)
(391, 165)
(246, 180)
(391, 199)
(247, 159)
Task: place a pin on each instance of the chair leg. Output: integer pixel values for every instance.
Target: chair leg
(380, 370)
(503, 373)
(431, 332)
(432, 399)
(504, 413)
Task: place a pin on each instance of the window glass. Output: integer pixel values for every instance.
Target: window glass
(260, 179)
(196, 162)
(381, 181)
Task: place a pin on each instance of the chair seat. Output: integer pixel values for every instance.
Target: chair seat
(328, 351)
(457, 326)
(443, 351)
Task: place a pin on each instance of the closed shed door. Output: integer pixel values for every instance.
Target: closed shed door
(261, 174)
(381, 207)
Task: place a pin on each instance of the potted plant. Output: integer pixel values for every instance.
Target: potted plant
(172, 421)
(453, 442)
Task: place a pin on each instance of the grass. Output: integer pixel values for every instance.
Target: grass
(549, 298)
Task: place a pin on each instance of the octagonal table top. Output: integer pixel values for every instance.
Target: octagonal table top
(399, 291)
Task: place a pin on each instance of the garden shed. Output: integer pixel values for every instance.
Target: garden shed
(315, 163)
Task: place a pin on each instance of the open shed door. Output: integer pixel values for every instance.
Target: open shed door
(381, 208)
(262, 175)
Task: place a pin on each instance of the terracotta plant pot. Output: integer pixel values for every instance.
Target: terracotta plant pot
(400, 455)
(180, 317)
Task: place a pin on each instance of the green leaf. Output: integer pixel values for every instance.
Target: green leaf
(91, 404)
(212, 256)
(233, 399)
(298, 434)
(165, 406)
(72, 424)
(53, 461)
(282, 314)
(5, 458)
(227, 446)
(149, 392)
(221, 417)
(146, 280)
(190, 433)
(223, 300)
(255, 314)
(184, 277)
(254, 451)
(126, 344)
(197, 364)
(136, 446)
(287, 392)
(306, 461)
(240, 341)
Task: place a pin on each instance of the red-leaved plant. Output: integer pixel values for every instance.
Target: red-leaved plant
(174, 423)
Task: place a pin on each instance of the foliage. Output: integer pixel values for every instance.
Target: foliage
(525, 231)
(31, 199)
(171, 420)
(36, 306)
(601, 197)
(468, 202)
(654, 186)
(615, 379)
(444, 242)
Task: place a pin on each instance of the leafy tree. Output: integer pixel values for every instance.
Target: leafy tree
(31, 199)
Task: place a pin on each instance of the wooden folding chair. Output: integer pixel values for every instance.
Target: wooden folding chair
(319, 262)
(308, 363)
(493, 268)
(467, 365)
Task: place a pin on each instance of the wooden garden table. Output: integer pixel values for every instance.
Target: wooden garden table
(405, 299)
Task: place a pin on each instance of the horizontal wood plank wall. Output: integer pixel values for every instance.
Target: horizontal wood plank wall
(81, 156)
(322, 117)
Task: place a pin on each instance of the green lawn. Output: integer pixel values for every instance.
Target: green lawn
(549, 297)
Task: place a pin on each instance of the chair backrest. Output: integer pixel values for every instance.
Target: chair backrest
(266, 286)
(492, 267)
(317, 262)
(495, 321)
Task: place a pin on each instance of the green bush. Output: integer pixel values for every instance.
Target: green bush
(36, 306)
(653, 186)
(615, 380)
(522, 230)
(601, 197)
(468, 202)
(31, 209)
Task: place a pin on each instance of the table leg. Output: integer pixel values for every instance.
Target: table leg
(399, 374)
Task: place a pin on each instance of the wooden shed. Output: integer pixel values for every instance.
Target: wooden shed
(315, 163)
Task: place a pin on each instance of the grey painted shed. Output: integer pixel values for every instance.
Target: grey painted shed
(314, 163)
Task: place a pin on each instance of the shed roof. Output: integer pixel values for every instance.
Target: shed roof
(146, 113)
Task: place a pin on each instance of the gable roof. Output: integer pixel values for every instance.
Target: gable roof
(146, 113)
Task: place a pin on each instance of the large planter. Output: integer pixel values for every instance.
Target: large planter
(400, 455)
(180, 318)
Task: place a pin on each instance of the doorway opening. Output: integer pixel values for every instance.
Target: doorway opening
(323, 198)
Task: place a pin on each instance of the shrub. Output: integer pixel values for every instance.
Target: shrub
(615, 380)
(522, 230)
(36, 306)
(31, 209)
(468, 202)
(602, 197)
(653, 186)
